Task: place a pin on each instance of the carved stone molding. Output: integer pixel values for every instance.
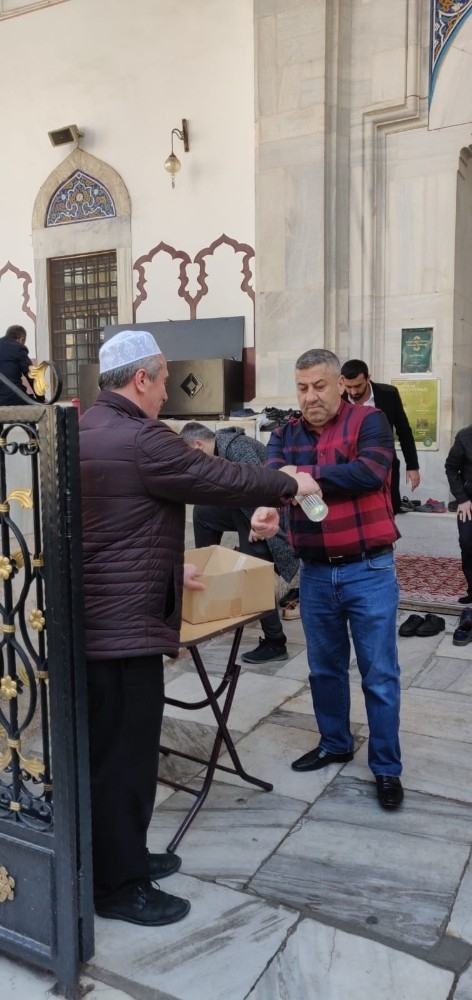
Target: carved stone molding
(377, 124)
(199, 259)
(27, 282)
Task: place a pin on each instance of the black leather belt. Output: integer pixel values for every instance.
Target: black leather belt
(353, 557)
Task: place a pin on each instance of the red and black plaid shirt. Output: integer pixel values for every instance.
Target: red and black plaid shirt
(351, 459)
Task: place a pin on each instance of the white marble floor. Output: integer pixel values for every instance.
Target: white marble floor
(310, 891)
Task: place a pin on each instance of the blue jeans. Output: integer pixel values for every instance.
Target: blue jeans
(364, 595)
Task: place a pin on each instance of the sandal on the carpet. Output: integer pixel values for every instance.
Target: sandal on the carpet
(411, 625)
(432, 625)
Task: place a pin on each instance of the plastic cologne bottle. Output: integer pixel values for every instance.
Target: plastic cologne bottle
(313, 506)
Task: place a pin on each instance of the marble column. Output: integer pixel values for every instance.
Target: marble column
(302, 142)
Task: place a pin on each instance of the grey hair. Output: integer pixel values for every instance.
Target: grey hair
(319, 356)
(117, 378)
(193, 431)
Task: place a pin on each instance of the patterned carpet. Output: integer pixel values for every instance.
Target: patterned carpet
(430, 579)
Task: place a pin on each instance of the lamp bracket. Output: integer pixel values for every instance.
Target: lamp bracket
(182, 134)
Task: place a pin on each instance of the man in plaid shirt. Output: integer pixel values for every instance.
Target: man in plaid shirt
(347, 575)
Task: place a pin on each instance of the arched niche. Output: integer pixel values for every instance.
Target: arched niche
(112, 232)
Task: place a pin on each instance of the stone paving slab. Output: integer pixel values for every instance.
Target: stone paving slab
(232, 835)
(353, 864)
(255, 697)
(217, 953)
(433, 765)
(319, 961)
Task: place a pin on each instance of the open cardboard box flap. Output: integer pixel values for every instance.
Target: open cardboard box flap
(235, 585)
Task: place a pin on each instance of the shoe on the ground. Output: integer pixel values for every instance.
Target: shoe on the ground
(162, 865)
(463, 633)
(467, 599)
(432, 625)
(265, 652)
(452, 506)
(432, 507)
(462, 637)
(291, 610)
(407, 505)
(315, 759)
(291, 595)
(142, 904)
(410, 626)
(389, 791)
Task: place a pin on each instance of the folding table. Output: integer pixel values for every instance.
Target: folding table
(191, 637)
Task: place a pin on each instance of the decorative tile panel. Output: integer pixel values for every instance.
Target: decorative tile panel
(448, 15)
(81, 198)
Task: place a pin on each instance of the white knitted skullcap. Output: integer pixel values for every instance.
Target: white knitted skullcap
(125, 348)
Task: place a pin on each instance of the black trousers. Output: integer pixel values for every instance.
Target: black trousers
(465, 542)
(209, 525)
(126, 704)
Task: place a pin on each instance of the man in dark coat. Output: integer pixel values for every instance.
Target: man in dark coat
(15, 362)
(210, 523)
(459, 476)
(137, 476)
(360, 389)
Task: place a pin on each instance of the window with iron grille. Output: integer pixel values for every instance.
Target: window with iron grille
(83, 299)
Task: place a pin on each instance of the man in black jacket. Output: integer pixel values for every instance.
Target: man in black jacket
(210, 523)
(363, 392)
(459, 476)
(15, 362)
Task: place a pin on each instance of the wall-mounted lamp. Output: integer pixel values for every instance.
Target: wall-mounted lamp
(172, 164)
(70, 133)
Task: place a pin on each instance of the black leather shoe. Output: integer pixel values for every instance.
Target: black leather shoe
(432, 625)
(411, 625)
(315, 759)
(142, 904)
(389, 791)
(162, 865)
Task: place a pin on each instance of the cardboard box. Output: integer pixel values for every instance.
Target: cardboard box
(235, 585)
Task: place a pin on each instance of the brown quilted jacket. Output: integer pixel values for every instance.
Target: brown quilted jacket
(137, 475)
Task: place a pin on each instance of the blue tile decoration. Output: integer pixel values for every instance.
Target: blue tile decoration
(80, 198)
(448, 15)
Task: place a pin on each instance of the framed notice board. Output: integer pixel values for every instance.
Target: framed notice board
(420, 398)
(417, 349)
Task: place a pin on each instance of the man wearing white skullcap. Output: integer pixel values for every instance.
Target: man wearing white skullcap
(137, 476)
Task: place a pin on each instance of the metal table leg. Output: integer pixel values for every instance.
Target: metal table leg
(228, 684)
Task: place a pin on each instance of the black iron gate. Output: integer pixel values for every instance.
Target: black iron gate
(46, 907)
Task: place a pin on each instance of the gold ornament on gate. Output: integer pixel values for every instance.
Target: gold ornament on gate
(23, 497)
(38, 374)
(8, 687)
(6, 568)
(37, 619)
(7, 885)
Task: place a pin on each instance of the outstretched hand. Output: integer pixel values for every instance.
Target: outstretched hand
(264, 524)
(306, 483)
